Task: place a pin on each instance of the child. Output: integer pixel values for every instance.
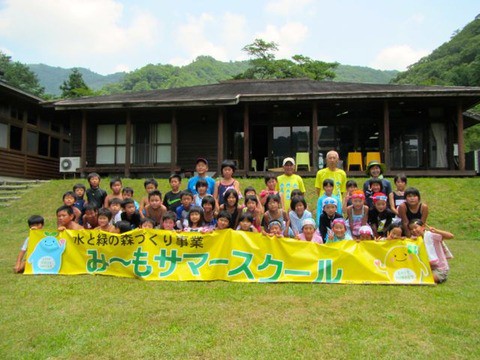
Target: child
(186, 197)
(252, 207)
(357, 213)
(376, 186)
(149, 185)
(195, 220)
(347, 201)
(394, 231)
(201, 167)
(223, 220)
(226, 182)
(171, 200)
(275, 212)
(250, 191)
(123, 226)
(288, 182)
(35, 222)
(326, 217)
(155, 209)
(168, 221)
(271, 184)
(309, 232)
(298, 213)
(130, 213)
(380, 217)
(147, 223)
(95, 195)
(245, 223)
(438, 253)
(231, 205)
(208, 205)
(90, 219)
(397, 196)
(201, 186)
(127, 193)
(339, 231)
(69, 200)
(104, 217)
(79, 190)
(365, 233)
(275, 228)
(116, 187)
(412, 209)
(328, 186)
(115, 207)
(66, 219)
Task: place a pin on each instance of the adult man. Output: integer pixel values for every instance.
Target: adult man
(338, 176)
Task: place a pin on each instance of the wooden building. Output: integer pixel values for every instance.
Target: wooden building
(416, 129)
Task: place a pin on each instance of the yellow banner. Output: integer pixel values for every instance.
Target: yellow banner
(226, 255)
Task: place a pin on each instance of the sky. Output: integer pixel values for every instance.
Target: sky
(107, 36)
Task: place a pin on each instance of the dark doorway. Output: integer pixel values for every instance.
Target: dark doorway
(259, 149)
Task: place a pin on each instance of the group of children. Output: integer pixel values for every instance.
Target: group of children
(280, 209)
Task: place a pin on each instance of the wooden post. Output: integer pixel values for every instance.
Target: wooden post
(386, 135)
(461, 143)
(174, 141)
(220, 126)
(128, 142)
(246, 140)
(83, 144)
(315, 136)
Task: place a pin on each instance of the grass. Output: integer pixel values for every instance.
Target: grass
(87, 317)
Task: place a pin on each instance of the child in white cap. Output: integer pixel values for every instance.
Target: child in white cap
(309, 232)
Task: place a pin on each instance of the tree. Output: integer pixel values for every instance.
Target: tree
(20, 76)
(75, 86)
(263, 65)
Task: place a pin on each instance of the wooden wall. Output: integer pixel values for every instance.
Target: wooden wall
(15, 164)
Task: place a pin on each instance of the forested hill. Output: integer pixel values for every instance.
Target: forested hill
(456, 62)
(204, 70)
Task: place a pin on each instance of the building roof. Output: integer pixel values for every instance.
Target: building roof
(236, 91)
(19, 93)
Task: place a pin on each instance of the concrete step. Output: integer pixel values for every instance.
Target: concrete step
(13, 187)
(9, 198)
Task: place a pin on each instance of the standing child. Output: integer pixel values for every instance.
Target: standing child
(201, 186)
(380, 216)
(275, 212)
(376, 186)
(104, 218)
(347, 201)
(186, 198)
(116, 187)
(171, 200)
(226, 182)
(328, 186)
(298, 213)
(412, 209)
(95, 195)
(69, 200)
(309, 232)
(79, 190)
(357, 213)
(149, 185)
(115, 207)
(127, 193)
(130, 213)
(439, 255)
(397, 197)
(231, 205)
(327, 215)
(288, 182)
(35, 222)
(155, 209)
(90, 219)
(271, 185)
(66, 219)
(201, 167)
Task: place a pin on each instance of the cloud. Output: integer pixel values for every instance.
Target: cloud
(397, 57)
(288, 37)
(79, 32)
(286, 7)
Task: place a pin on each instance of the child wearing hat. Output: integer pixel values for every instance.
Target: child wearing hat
(338, 232)
(201, 167)
(375, 170)
(326, 217)
(380, 216)
(309, 232)
(289, 181)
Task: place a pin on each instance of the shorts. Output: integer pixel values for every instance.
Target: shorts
(439, 275)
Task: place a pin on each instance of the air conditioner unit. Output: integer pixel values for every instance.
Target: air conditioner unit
(69, 164)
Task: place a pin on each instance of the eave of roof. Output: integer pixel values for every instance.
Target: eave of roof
(23, 94)
(233, 92)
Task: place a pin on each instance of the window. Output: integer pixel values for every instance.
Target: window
(3, 136)
(54, 147)
(15, 138)
(32, 142)
(111, 144)
(43, 144)
(163, 143)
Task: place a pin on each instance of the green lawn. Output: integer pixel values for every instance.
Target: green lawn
(105, 317)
